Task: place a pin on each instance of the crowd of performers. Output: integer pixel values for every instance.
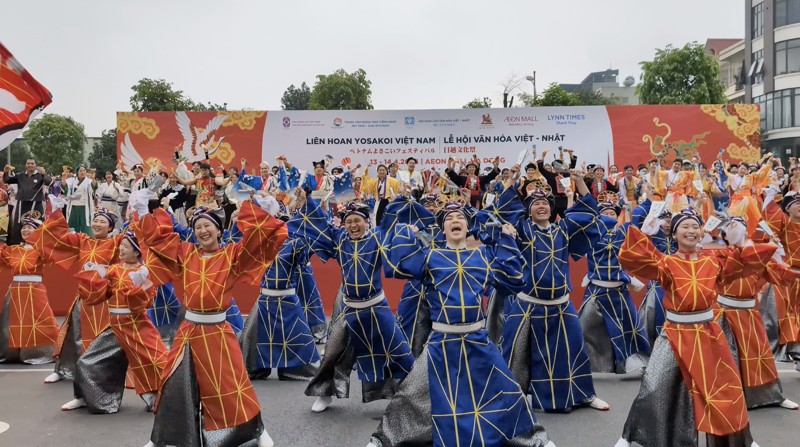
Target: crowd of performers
(485, 333)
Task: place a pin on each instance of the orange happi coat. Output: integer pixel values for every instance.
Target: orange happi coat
(30, 319)
(701, 350)
(57, 243)
(787, 297)
(756, 361)
(226, 393)
(144, 349)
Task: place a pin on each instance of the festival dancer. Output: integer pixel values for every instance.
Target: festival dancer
(365, 333)
(58, 244)
(460, 391)
(692, 383)
(132, 342)
(743, 325)
(382, 187)
(28, 328)
(786, 226)
(472, 181)
(741, 187)
(615, 337)
(276, 334)
(205, 372)
(542, 338)
(79, 191)
(651, 311)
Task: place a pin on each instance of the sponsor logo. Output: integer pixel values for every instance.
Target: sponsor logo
(287, 122)
(337, 122)
(524, 120)
(486, 120)
(410, 121)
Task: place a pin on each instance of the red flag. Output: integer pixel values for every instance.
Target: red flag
(21, 97)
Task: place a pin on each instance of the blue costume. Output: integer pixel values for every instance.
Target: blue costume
(310, 298)
(615, 337)
(460, 391)
(365, 333)
(542, 337)
(276, 334)
(651, 311)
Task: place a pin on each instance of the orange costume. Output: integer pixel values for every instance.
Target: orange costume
(738, 311)
(677, 190)
(787, 298)
(697, 342)
(743, 201)
(136, 334)
(205, 341)
(27, 313)
(57, 243)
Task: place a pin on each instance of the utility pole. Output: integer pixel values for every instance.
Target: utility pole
(532, 79)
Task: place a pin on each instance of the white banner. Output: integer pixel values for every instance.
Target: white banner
(432, 136)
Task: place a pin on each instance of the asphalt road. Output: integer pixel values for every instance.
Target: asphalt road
(32, 411)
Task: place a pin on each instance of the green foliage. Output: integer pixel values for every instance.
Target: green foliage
(478, 103)
(295, 98)
(555, 95)
(156, 95)
(19, 154)
(342, 91)
(104, 152)
(685, 75)
(55, 141)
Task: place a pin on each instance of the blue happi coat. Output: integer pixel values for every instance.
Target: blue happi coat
(379, 345)
(474, 398)
(543, 343)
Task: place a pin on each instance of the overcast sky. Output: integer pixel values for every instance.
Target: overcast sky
(418, 54)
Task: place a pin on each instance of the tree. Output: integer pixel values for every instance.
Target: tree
(295, 98)
(104, 152)
(155, 95)
(19, 154)
(478, 103)
(555, 95)
(55, 141)
(686, 75)
(584, 97)
(342, 91)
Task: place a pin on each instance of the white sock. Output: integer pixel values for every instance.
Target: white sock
(264, 440)
(622, 443)
(54, 377)
(73, 404)
(321, 404)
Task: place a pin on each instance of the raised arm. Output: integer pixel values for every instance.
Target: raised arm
(403, 254)
(156, 232)
(56, 242)
(262, 237)
(311, 224)
(506, 261)
(640, 257)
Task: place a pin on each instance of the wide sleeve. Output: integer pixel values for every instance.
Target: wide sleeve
(639, 214)
(92, 288)
(781, 274)
(740, 262)
(775, 218)
(155, 231)
(404, 210)
(56, 242)
(485, 179)
(639, 256)
(760, 178)
(506, 262)
(311, 224)
(403, 254)
(583, 225)
(140, 299)
(262, 237)
(459, 180)
(507, 207)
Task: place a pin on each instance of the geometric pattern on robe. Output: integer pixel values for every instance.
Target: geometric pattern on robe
(30, 319)
(57, 244)
(226, 393)
(701, 349)
(474, 397)
(787, 297)
(136, 334)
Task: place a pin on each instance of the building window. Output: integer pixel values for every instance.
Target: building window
(780, 109)
(787, 57)
(758, 67)
(787, 12)
(758, 21)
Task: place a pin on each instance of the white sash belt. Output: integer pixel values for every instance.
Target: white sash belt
(607, 284)
(119, 311)
(736, 303)
(363, 304)
(467, 328)
(276, 292)
(553, 302)
(205, 318)
(27, 278)
(690, 317)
